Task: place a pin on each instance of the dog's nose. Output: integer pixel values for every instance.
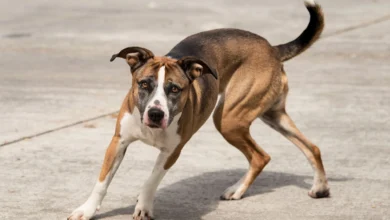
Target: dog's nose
(155, 115)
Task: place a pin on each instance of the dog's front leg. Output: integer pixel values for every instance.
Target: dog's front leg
(113, 157)
(123, 136)
(144, 208)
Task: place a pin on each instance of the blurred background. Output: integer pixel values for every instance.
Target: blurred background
(56, 83)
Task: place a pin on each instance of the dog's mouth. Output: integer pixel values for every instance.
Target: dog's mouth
(153, 126)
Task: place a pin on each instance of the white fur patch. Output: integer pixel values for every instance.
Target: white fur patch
(130, 125)
(160, 97)
(310, 3)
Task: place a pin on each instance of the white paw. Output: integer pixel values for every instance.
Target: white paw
(310, 2)
(143, 211)
(84, 212)
(319, 190)
(234, 192)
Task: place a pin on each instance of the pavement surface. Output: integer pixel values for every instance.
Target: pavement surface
(58, 93)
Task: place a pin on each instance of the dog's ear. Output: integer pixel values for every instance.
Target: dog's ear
(194, 67)
(135, 56)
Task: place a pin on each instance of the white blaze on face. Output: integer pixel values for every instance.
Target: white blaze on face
(159, 100)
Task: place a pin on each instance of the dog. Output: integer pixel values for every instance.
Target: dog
(172, 96)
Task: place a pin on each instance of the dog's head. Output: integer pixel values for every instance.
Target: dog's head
(160, 85)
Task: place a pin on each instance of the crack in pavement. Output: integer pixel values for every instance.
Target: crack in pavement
(57, 129)
(355, 27)
(337, 32)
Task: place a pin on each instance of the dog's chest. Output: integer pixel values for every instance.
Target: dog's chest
(133, 129)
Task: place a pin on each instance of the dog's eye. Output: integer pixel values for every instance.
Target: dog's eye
(175, 89)
(144, 85)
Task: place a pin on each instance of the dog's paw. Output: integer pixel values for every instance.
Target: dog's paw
(319, 191)
(142, 213)
(77, 215)
(232, 193)
(84, 212)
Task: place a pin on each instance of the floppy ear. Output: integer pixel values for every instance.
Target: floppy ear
(135, 56)
(194, 67)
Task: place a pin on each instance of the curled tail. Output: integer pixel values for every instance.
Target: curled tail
(308, 36)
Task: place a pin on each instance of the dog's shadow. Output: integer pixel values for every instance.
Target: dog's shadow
(199, 195)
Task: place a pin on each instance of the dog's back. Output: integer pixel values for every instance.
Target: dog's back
(227, 49)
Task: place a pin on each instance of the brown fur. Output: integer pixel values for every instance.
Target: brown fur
(111, 152)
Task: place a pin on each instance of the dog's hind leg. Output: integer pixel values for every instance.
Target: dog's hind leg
(279, 120)
(241, 104)
(236, 131)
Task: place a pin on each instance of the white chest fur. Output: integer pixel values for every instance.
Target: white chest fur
(133, 129)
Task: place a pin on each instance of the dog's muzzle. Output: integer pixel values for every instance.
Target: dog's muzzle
(155, 117)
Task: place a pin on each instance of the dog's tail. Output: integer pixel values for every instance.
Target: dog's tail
(308, 36)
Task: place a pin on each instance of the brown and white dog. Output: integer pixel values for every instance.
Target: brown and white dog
(173, 95)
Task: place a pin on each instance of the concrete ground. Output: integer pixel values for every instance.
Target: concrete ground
(58, 91)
